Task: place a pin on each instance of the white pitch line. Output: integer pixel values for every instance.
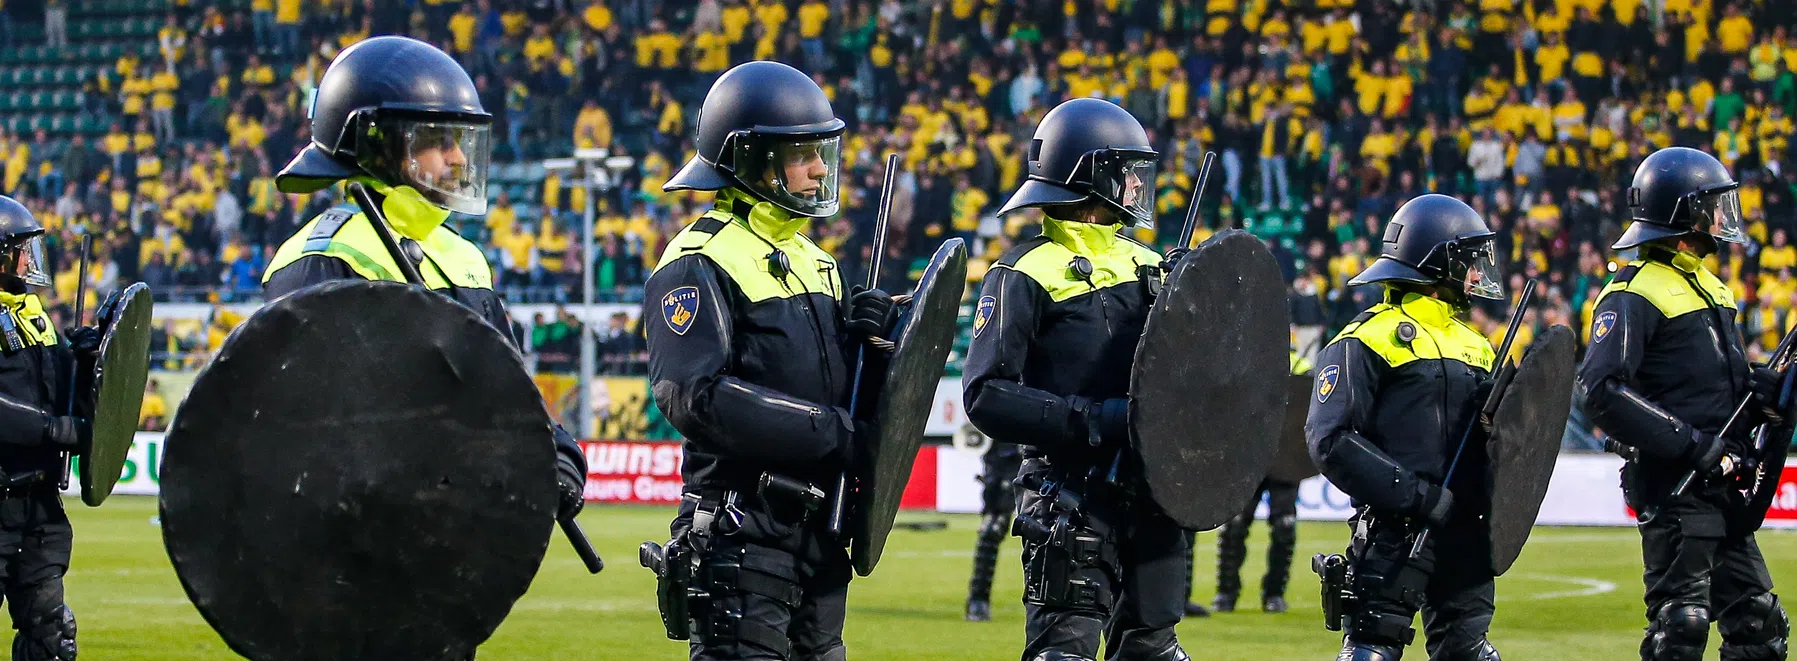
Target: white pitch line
(1592, 587)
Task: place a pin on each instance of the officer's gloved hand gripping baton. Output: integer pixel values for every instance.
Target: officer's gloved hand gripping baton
(378, 219)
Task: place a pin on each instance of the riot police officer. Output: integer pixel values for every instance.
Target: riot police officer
(998, 502)
(1394, 394)
(402, 118)
(37, 426)
(1663, 374)
(1055, 333)
(752, 341)
(1282, 537)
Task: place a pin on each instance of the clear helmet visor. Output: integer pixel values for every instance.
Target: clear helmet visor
(798, 176)
(25, 260)
(1482, 277)
(1127, 180)
(1719, 214)
(445, 161)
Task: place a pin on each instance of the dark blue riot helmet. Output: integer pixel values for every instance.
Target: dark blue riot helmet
(1437, 240)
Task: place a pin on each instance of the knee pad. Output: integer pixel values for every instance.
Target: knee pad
(994, 526)
(1679, 633)
(48, 636)
(1756, 628)
(1356, 651)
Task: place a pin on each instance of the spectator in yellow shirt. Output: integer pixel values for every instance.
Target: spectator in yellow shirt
(461, 28)
(162, 104)
(592, 128)
(736, 17)
(134, 90)
(540, 46)
(711, 53)
(287, 26)
(657, 48)
(1735, 32)
(1779, 255)
(1551, 57)
(256, 74)
(968, 203)
(812, 16)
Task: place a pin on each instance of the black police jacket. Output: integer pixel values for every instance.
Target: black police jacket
(340, 244)
(1055, 329)
(747, 355)
(35, 368)
(1394, 394)
(1665, 360)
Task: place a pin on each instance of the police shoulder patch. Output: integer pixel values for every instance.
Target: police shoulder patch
(1326, 382)
(1601, 327)
(982, 313)
(680, 307)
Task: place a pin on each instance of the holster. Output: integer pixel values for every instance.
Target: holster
(1058, 550)
(1339, 599)
(676, 566)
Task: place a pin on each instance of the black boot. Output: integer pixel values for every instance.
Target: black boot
(1224, 603)
(1195, 609)
(1273, 604)
(979, 610)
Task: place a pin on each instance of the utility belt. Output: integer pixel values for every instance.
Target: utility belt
(26, 483)
(693, 568)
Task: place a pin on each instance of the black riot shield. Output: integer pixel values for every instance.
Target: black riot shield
(1293, 463)
(926, 331)
(1525, 441)
(1208, 388)
(364, 471)
(120, 374)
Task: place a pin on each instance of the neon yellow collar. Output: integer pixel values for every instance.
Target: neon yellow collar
(1081, 238)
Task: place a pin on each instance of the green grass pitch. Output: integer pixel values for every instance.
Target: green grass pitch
(1575, 594)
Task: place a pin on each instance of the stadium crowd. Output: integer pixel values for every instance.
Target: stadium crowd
(1328, 114)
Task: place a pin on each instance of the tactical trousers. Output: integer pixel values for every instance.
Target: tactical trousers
(35, 542)
(998, 502)
(777, 585)
(1282, 536)
(1112, 569)
(1450, 582)
(1696, 573)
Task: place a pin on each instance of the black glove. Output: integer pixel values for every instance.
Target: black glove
(570, 490)
(1173, 258)
(69, 433)
(1766, 382)
(1437, 505)
(85, 340)
(1482, 394)
(850, 452)
(869, 313)
(1107, 421)
(1705, 453)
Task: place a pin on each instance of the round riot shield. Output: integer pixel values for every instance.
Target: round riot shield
(925, 334)
(123, 369)
(1208, 388)
(364, 471)
(1525, 441)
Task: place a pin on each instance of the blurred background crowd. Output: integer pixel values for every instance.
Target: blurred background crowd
(156, 127)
